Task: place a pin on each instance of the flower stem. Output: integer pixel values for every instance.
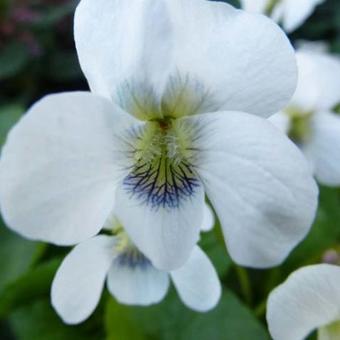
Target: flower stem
(243, 278)
(260, 309)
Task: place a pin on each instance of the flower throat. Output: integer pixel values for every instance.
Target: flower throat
(163, 174)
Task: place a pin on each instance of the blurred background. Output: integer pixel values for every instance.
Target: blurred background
(37, 57)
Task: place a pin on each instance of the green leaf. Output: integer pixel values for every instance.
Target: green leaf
(16, 256)
(216, 251)
(170, 320)
(9, 115)
(324, 234)
(39, 321)
(229, 321)
(29, 287)
(13, 58)
(120, 324)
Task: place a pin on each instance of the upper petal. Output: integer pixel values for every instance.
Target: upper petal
(319, 81)
(166, 235)
(197, 282)
(137, 284)
(259, 184)
(57, 169)
(233, 59)
(310, 298)
(125, 49)
(79, 281)
(244, 60)
(322, 150)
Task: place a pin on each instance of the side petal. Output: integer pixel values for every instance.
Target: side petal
(296, 12)
(281, 121)
(197, 282)
(79, 281)
(121, 53)
(323, 148)
(258, 6)
(319, 81)
(309, 299)
(57, 168)
(244, 60)
(166, 235)
(259, 185)
(137, 284)
(208, 218)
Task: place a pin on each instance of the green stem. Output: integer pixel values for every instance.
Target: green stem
(243, 278)
(260, 309)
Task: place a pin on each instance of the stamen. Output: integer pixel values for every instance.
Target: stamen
(300, 125)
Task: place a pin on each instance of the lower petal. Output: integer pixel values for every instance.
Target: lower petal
(259, 185)
(79, 281)
(165, 234)
(197, 282)
(137, 283)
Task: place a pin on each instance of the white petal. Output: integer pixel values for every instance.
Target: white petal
(255, 6)
(57, 169)
(323, 148)
(310, 298)
(208, 218)
(137, 285)
(165, 235)
(281, 120)
(318, 46)
(259, 185)
(197, 282)
(244, 60)
(296, 12)
(111, 222)
(117, 44)
(319, 81)
(79, 281)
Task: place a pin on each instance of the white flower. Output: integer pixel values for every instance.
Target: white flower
(131, 277)
(291, 13)
(309, 119)
(187, 71)
(308, 300)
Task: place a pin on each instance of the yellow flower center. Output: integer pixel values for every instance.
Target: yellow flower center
(300, 125)
(330, 332)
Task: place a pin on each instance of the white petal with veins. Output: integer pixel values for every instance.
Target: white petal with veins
(58, 169)
(259, 185)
